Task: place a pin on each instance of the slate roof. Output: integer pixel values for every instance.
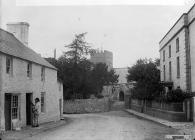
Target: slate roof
(10, 45)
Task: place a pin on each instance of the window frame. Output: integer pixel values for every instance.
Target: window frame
(29, 70)
(178, 67)
(169, 51)
(9, 68)
(177, 45)
(15, 107)
(170, 71)
(43, 102)
(42, 73)
(163, 55)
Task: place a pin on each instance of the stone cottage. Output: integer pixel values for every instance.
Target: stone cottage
(24, 76)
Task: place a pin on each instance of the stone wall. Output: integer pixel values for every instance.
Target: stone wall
(175, 112)
(86, 105)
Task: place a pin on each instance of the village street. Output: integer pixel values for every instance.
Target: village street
(115, 125)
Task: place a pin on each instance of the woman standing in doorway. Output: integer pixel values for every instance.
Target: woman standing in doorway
(36, 111)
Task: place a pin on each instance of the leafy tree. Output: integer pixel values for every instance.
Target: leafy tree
(78, 49)
(157, 62)
(80, 77)
(147, 78)
(76, 55)
(101, 76)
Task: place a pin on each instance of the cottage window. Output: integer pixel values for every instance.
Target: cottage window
(29, 70)
(14, 107)
(42, 74)
(177, 45)
(43, 102)
(178, 67)
(9, 65)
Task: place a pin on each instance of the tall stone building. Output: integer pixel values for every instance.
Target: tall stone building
(177, 54)
(102, 57)
(24, 76)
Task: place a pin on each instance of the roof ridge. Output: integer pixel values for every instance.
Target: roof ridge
(14, 43)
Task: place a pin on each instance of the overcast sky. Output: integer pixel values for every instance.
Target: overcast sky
(130, 32)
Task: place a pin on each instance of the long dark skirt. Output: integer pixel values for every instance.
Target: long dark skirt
(35, 122)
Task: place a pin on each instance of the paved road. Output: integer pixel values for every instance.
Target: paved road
(115, 125)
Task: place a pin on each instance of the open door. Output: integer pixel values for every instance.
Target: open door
(7, 111)
(28, 109)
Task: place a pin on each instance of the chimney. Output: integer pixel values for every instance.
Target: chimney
(20, 31)
(54, 53)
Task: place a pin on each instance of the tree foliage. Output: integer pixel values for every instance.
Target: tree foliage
(78, 48)
(101, 76)
(147, 78)
(80, 77)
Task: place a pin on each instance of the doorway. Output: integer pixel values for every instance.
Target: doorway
(7, 111)
(28, 108)
(121, 96)
(60, 107)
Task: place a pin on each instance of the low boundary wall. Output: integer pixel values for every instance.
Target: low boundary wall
(175, 112)
(86, 106)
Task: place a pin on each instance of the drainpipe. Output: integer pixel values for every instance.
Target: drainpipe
(188, 57)
(1, 94)
(189, 63)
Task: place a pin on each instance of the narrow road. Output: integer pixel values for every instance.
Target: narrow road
(115, 125)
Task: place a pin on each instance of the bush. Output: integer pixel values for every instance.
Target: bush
(99, 96)
(141, 94)
(176, 95)
(147, 76)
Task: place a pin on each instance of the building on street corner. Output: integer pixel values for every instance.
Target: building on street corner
(24, 76)
(177, 54)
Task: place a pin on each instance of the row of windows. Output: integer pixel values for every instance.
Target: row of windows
(170, 70)
(9, 68)
(177, 49)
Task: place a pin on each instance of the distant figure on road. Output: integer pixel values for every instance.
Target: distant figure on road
(36, 111)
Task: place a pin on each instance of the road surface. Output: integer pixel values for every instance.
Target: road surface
(115, 125)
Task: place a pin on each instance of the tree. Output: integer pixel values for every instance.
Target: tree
(78, 49)
(101, 76)
(147, 78)
(76, 55)
(79, 76)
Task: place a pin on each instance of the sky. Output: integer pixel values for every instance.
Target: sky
(130, 31)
